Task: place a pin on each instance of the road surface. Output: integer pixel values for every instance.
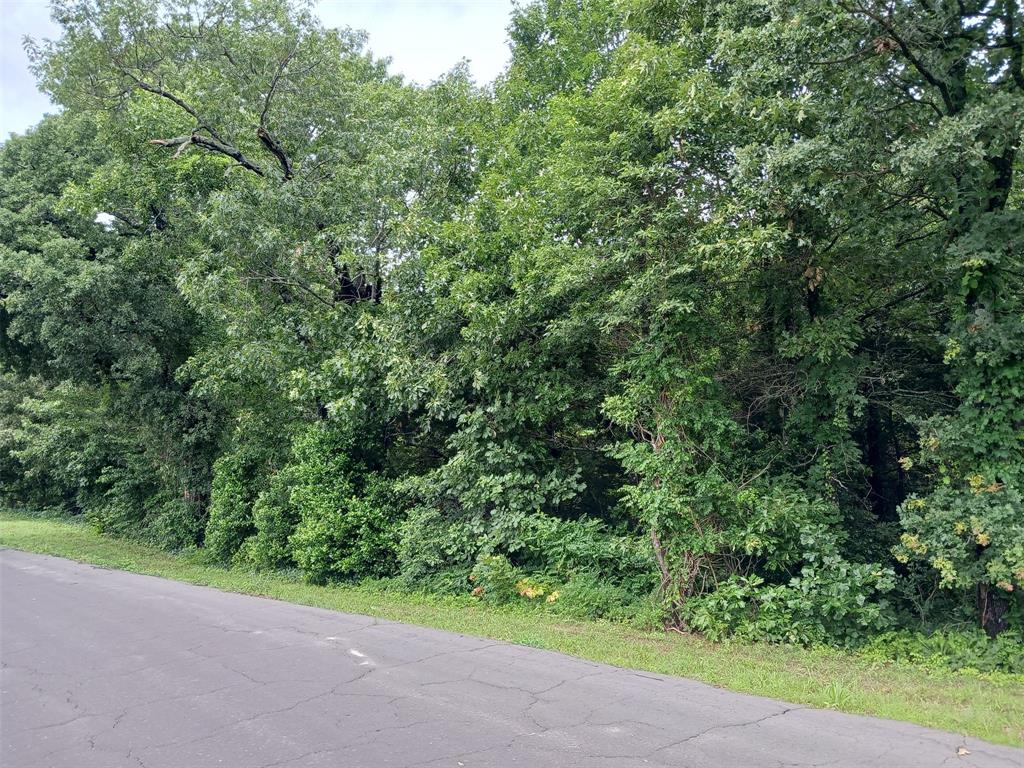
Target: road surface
(106, 669)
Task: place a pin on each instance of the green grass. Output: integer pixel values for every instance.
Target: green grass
(989, 707)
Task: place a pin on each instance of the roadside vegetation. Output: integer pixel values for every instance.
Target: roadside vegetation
(986, 706)
(704, 317)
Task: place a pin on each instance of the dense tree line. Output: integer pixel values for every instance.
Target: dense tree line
(709, 313)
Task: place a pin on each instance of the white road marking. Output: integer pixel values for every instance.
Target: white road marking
(359, 655)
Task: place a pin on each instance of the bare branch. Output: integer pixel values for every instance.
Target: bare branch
(908, 54)
(265, 136)
(157, 90)
(212, 144)
(277, 150)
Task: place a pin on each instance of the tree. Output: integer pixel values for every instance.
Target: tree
(94, 327)
(715, 302)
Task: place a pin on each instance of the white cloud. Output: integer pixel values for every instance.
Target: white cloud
(426, 38)
(21, 104)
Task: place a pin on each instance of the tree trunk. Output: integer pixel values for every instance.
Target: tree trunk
(876, 452)
(992, 609)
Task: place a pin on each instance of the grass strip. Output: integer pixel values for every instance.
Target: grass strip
(989, 707)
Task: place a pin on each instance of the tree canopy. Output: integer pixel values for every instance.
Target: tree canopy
(709, 313)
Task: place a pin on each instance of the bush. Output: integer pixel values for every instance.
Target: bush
(132, 509)
(275, 519)
(343, 535)
(230, 515)
(240, 478)
(439, 552)
(836, 602)
(588, 596)
(566, 549)
(177, 523)
(961, 649)
(495, 579)
(970, 534)
(436, 553)
(585, 596)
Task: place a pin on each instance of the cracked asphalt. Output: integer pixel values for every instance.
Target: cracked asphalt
(104, 669)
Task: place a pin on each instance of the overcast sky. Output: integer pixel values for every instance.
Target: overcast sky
(423, 38)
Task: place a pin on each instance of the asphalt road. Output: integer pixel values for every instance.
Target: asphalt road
(104, 668)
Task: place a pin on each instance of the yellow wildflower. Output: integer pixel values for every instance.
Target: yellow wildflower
(528, 589)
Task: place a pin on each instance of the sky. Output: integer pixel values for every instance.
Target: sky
(423, 38)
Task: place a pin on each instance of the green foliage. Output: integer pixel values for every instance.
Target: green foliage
(968, 535)
(91, 316)
(436, 551)
(708, 309)
(245, 489)
(230, 517)
(835, 603)
(355, 541)
(348, 522)
(588, 596)
(565, 549)
(960, 649)
(970, 528)
(275, 518)
(496, 580)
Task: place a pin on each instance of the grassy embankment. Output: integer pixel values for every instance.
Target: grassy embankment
(989, 707)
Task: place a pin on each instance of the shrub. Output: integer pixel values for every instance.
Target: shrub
(970, 534)
(177, 523)
(836, 602)
(588, 596)
(343, 535)
(959, 649)
(435, 552)
(275, 519)
(230, 515)
(240, 477)
(566, 549)
(494, 579)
